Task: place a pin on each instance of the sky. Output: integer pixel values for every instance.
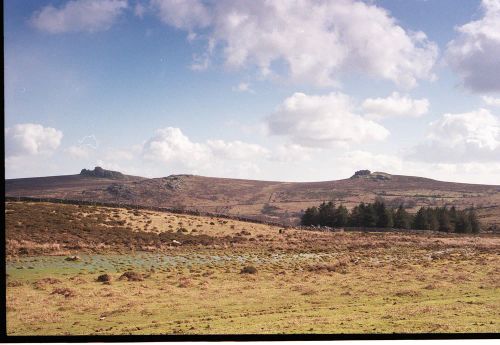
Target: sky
(296, 90)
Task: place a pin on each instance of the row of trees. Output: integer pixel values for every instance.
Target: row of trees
(377, 215)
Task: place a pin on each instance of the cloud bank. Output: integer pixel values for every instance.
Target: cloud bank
(461, 138)
(79, 16)
(395, 105)
(317, 41)
(31, 139)
(322, 121)
(474, 53)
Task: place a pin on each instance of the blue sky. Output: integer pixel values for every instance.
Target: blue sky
(296, 91)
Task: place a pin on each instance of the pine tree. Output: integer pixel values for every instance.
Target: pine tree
(444, 220)
(384, 217)
(310, 216)
(453, 216)
(431, 219)
(401, 218)
(463, 224)
(474, 221)
(369, 216)
(327, 214)
(341, 216)
(420, 221)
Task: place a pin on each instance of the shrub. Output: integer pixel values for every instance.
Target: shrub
(132, 276)
(104, 278)
(248, 270)
(66, 292)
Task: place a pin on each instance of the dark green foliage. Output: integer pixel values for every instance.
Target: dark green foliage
(463, 224)
(369, 215)
(432, 219)
(444, 220)
(341, 216)
(384, 215)
(420, 222)
(402, 219)
(326, 214)
(310, 217)
(474, 222)
(378, 215)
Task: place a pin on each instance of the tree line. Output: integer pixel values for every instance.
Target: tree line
(378, 215)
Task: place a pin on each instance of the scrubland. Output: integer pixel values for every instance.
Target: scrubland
(67, 275)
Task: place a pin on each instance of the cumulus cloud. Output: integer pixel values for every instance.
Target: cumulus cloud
(491, 101)
(474, 53)
(79, 15)
(31, 139)
(467, 137)
(236, 150)
(395, 105)
(316, 40)
(171, 146)
(319, 121)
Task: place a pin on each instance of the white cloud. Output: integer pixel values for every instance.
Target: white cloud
(491, 101)
(467, 137)
(316, 40)
(474, 52)
(465, 172)
(292, 153)
(395, 105)
(182, 14)
(317, 121)
(31, 139)
(171, 145)
(79, 15)
(236, 150)
(243, 87)
(78, 151)
(357, 160)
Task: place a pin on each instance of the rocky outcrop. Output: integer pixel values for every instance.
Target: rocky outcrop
(102, 173)
(367, 174)
(120, 190)
(361, 173)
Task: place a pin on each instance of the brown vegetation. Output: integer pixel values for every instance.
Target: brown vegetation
(272, 201)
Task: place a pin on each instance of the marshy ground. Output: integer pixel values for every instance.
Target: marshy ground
(188, 276)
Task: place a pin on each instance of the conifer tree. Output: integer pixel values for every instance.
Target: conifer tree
(310, 216)
(420, 221)
(401, 218)
(341, 216)
(474, 221)
(444, 220)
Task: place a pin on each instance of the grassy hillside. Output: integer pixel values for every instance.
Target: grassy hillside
(304, 281)
(273, 201)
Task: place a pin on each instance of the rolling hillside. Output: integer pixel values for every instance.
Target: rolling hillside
(264, 200)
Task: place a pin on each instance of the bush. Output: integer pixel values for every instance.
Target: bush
(66, 292)
(104, 278)
(248, 270)
(132, 276)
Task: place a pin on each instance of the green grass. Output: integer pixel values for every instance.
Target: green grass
(306, 282)
(292, 300)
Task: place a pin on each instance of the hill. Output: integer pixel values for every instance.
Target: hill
(264, 200)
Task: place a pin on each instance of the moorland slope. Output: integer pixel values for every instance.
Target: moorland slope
(264, 200)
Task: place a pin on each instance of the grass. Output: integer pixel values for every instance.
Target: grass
(304, 282)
